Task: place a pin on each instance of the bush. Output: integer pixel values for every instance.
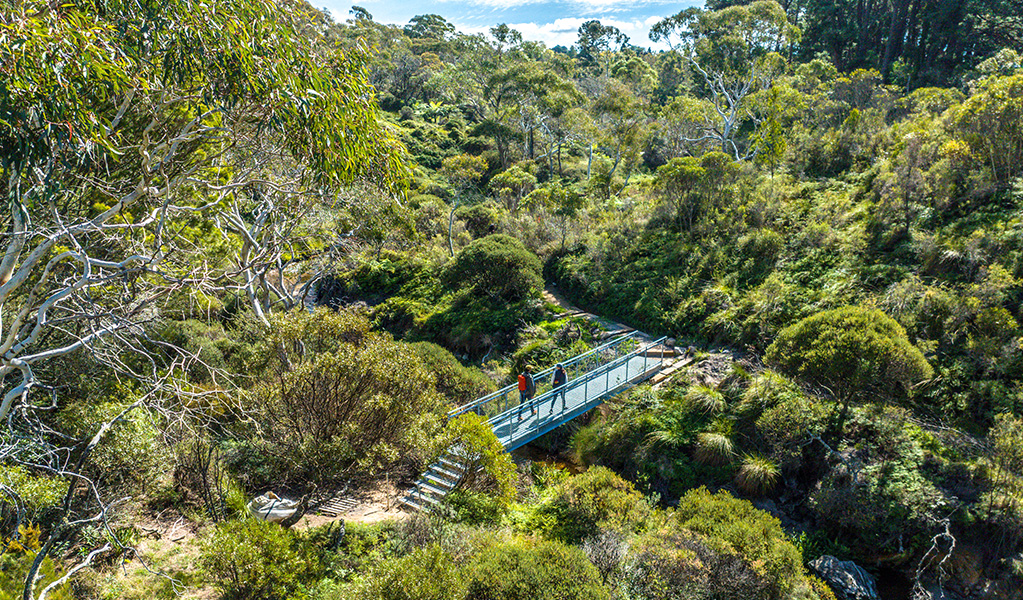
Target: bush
(455, 381)
(680, 565)
(786, 428)
(353, 398)
(497, 266)
(425, 574)
(475, 508)
(595, 499)
(479, 218)
(258, 560)
(527, 569)
(731, 525)
(851, 351)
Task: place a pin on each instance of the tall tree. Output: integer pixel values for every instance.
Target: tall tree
(735, 52)
(123, 128)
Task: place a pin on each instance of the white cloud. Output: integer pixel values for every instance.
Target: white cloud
(565, 31)
(585, 5)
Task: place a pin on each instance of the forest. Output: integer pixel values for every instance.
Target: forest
(251, 249)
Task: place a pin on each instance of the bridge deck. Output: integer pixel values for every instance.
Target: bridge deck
(526, 422)
(596, 375)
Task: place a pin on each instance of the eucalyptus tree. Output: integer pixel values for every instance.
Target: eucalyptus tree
(125, 133)
(483, 78)
(598, 44)
(735, 52)
(621, 118)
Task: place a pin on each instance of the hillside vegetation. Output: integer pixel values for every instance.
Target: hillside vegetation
(248, 249)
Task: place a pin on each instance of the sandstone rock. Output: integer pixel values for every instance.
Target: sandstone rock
(848, 580)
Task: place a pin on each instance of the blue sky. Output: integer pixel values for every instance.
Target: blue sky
(551, 21)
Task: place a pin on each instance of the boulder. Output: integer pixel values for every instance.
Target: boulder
(270, 507)
(848, 580)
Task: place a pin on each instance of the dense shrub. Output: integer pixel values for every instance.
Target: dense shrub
(681, 565)
(595, 499)
(348, 399)
(479, 218)
(499, 266)
(258, 560)
(851, 351)
(733, 525)
(456, 382)
(488, 467)
(787, 427)
(529, 569)
(426, 574)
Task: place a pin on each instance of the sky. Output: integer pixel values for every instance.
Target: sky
(553, 22)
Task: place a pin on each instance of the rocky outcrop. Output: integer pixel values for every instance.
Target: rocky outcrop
(848, 580)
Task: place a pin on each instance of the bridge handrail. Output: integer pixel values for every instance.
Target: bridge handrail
(581, 380)
(539, 376)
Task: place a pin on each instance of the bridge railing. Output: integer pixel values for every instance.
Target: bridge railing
(508, 397)
(595, 384)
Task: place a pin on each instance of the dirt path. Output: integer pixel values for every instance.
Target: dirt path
(374, 504)
(553, 295)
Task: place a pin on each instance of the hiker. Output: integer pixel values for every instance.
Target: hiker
(527, 389)
(558, 385)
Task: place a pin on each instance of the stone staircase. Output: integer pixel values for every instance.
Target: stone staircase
(437, 482)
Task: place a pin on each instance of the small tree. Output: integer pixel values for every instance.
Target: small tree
(512, 185)
(853, 351)
(489, 467)
(463, 171)
(497, 266)
(524, 569)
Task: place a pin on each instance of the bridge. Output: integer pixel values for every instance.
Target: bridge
(593, 377)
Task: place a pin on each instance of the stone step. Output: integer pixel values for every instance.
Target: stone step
(433, 490)
(440, 481)
(441, 471)
(417, 501)
(453, 465)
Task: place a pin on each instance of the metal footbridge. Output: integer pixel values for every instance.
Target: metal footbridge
(593, 377)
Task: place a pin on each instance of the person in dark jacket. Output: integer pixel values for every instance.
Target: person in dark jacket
(558, 385)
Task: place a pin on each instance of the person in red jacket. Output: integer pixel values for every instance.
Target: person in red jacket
(527, 389)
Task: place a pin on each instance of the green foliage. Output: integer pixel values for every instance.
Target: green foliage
(315, 424)
(253, 560)
(705, 399)
(733, 525)
(488, 467)
(787, 427)
(16, 557)
(479, 218)
(595, 499)
(529, 569)
(426, 574)
(852, 351)
(475, 508)
(497, 266)
(36, 492)
(132, 452)
(992, 122)
(456, 382)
